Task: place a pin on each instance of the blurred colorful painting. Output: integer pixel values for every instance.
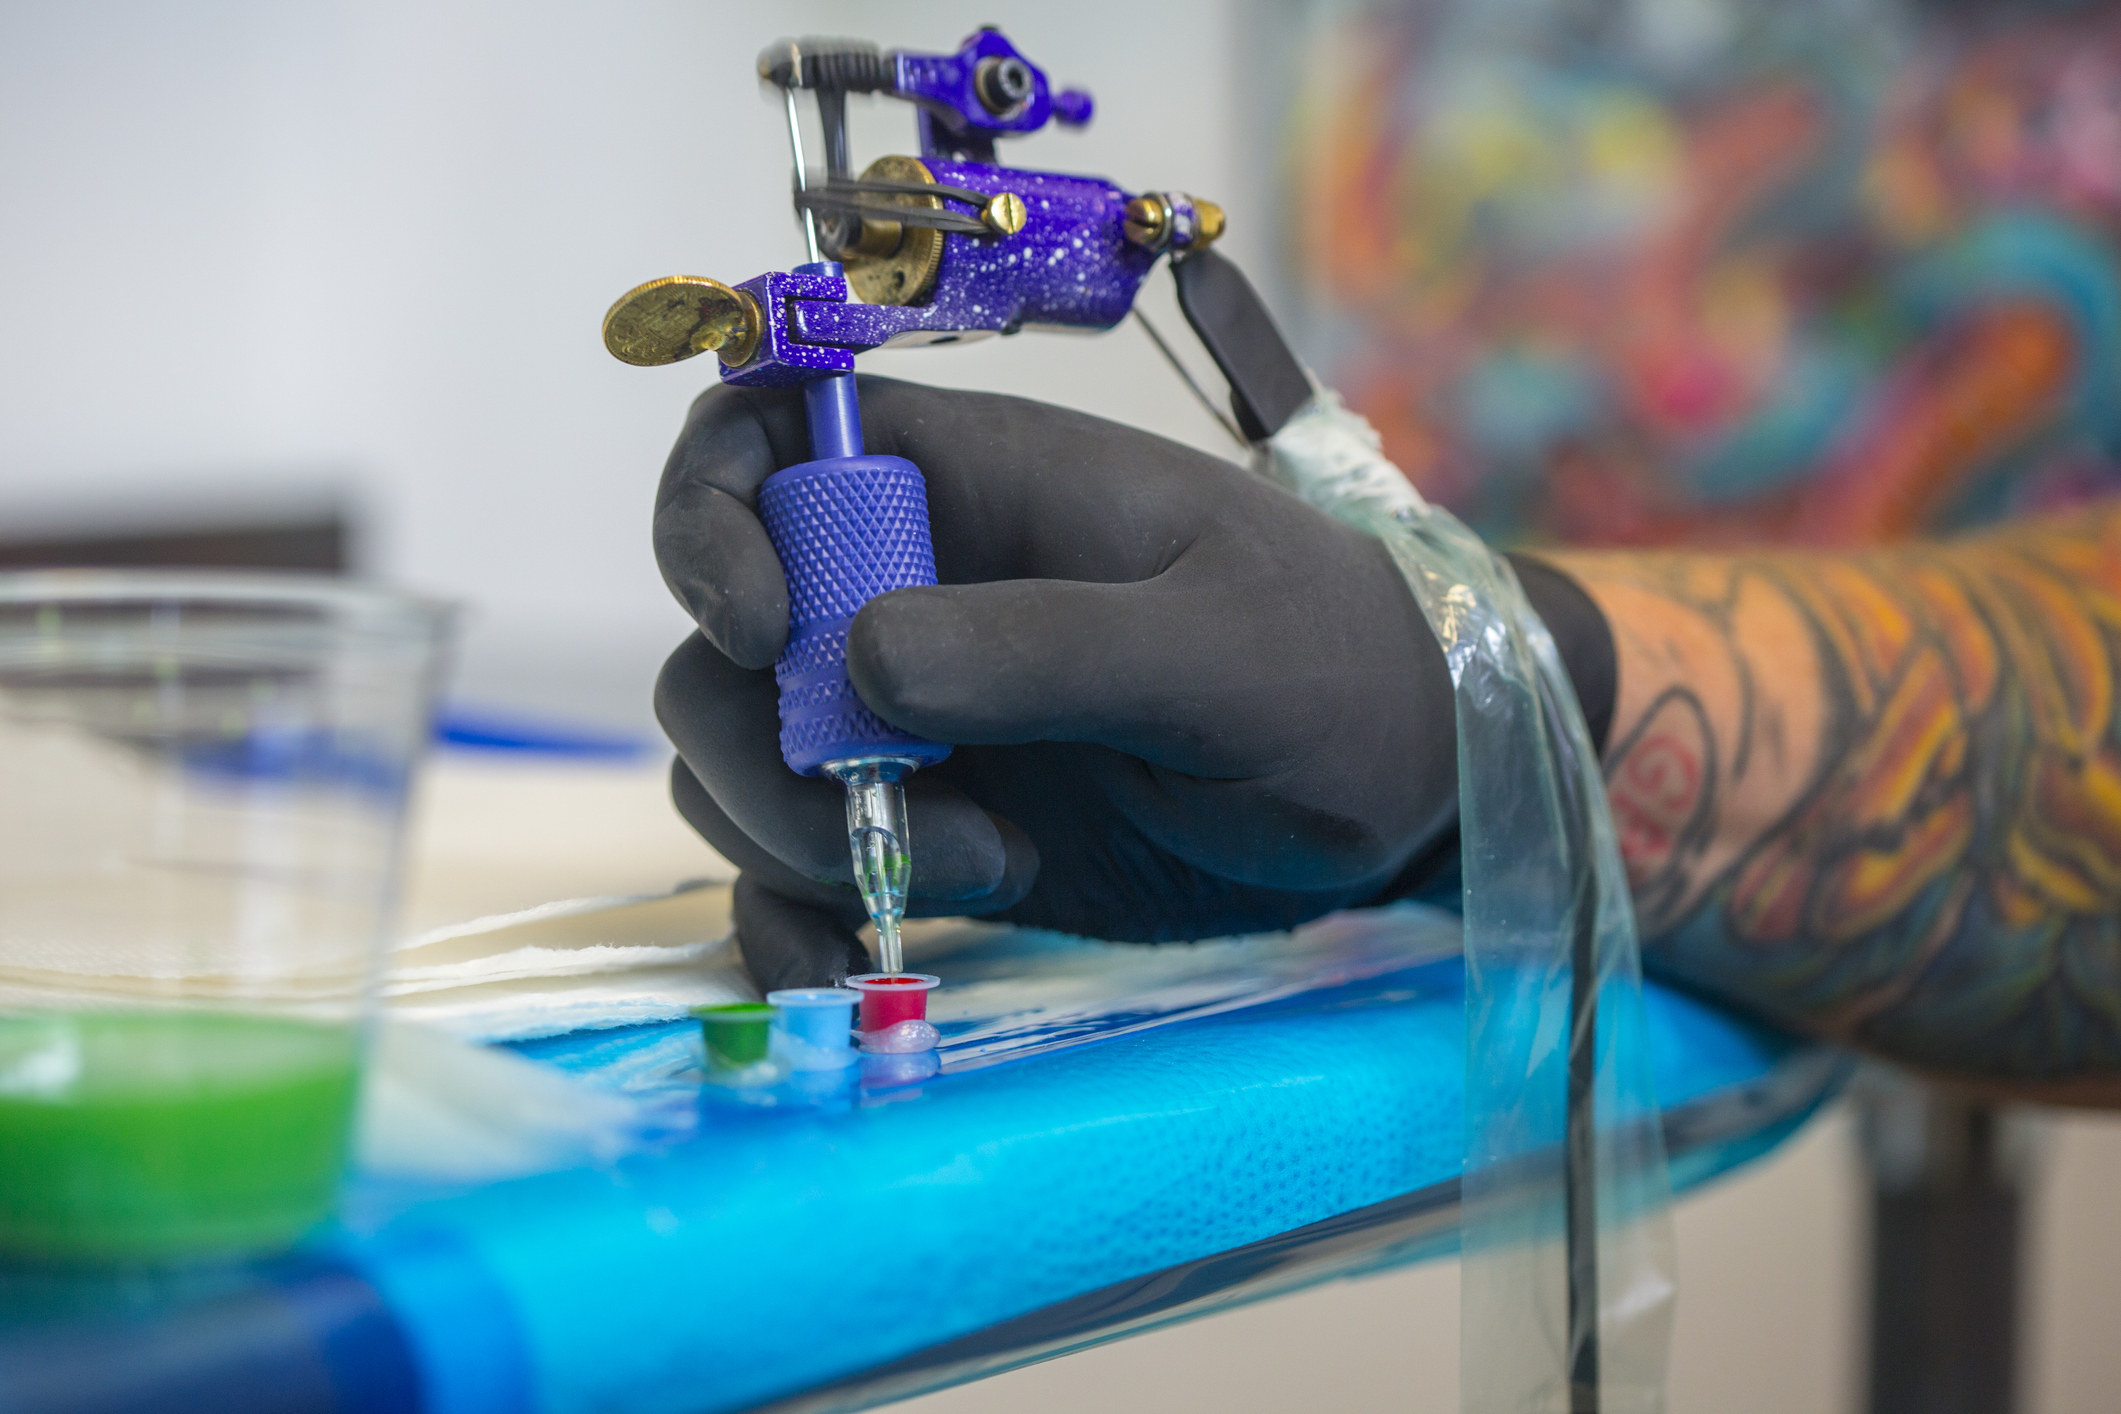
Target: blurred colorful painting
(1705, 271)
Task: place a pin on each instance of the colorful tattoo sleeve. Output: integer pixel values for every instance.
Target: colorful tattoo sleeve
(1879, 796)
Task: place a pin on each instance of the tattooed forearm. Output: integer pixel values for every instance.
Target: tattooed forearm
(1879, 797)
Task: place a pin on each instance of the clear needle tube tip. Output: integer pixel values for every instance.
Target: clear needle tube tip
(876, 836)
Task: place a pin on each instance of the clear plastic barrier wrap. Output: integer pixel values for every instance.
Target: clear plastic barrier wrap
(1544, 891)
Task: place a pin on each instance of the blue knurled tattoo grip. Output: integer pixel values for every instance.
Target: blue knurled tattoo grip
(847, 529)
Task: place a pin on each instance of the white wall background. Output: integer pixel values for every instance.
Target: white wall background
(255, 254)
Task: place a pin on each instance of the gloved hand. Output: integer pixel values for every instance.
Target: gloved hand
(1185, 704)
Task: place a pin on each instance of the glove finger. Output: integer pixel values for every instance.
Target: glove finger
(1016, 489)
(1021, 489)
(1160, 670)
(788, 943)
(717, 560)
(713, 552)
(1251, 833)
(712, 824)
(725, 723)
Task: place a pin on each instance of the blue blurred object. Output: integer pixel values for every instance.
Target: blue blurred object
(479, 729)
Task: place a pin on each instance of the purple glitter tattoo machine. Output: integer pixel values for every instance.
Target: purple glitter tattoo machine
(944, 247)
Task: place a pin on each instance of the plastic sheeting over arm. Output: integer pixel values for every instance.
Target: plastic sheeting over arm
(1560, 1201)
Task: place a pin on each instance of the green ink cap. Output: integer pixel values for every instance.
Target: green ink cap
(737, 1034)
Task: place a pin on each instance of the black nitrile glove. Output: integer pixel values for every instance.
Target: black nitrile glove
(1185, 704)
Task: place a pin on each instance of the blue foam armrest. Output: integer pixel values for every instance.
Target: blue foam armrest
(827, 1257)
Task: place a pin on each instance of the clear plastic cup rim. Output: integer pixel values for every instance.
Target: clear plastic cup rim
(340, 606)
(736, 1013)
(812, 998)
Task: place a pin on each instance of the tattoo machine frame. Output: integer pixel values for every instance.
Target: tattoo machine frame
(951, 246)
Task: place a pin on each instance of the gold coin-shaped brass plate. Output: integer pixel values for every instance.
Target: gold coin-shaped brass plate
(905, 270)
(679, 316)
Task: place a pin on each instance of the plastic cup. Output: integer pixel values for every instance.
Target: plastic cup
(816, 1026)
(889, 998)
(738, 1035)
(202, 789)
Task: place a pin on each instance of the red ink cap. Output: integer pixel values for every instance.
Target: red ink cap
(891, 997)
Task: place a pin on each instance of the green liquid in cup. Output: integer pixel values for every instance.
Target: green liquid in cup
(128, 1136)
